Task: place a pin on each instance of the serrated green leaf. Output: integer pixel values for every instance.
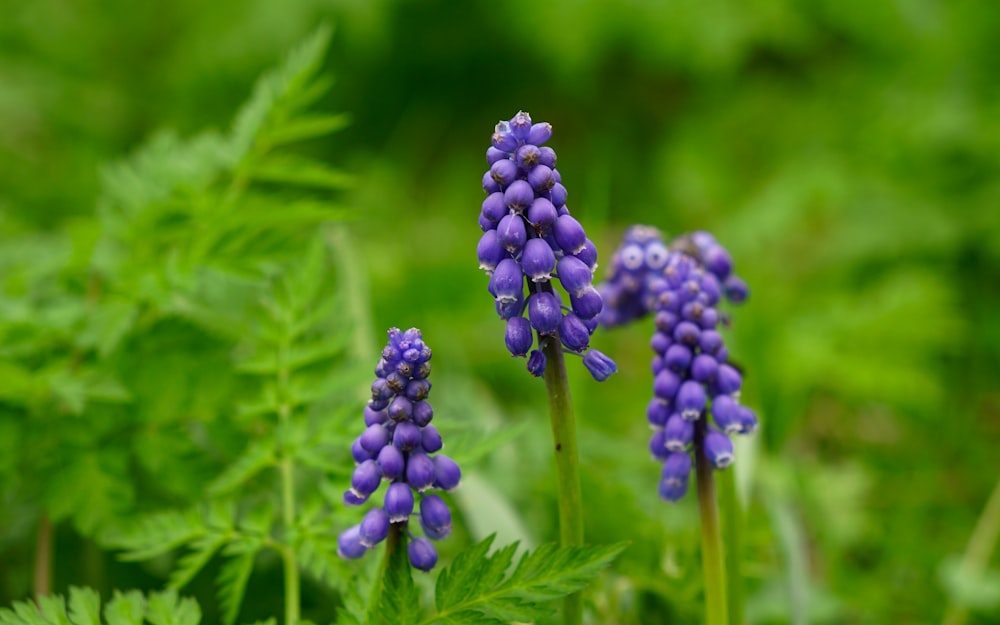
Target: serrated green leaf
(399, 600)
(477, 589)
(300, 171)
(125, 608)
(202, 550)
(156, 534)
(165, 608)
(258, 520)
(308, 127)
(84, 606)
(53, 608)
(258, 456)
(281, 91)
(232, 582)
(21, 613)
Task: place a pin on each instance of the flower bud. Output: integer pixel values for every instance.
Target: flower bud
(398, 502)
(544, 312)
(447, 473)
(538, 261)
(511, 233)
(718, 449)
(690, 400)
(374, 527)
(422, 413)
(536, 363)
(406, 436)
(349, 544)
(540, 133)
(435, 518)
(430, 439)
(518, 336)
(600, 366)
(422, 554)
(679, 432)
(366, 478)
(519, 196)
(391, 462)
(569, 234)
(419, 471)
(573, 333)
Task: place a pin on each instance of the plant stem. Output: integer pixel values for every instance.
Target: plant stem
(287, 469)
(393, 543)
(567, 463)
(43, 557)
(978, 551)
(716, 612)
(732, 526)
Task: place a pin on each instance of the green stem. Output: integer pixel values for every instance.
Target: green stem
(732, 525)
(43, 557)
(716, 612)
(567, 463)
(393, 544)
(978, 551)
(287, 470)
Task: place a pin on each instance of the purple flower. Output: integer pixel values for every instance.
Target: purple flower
(533, 236)
(422, 554)
(397, 446)
(681, 287)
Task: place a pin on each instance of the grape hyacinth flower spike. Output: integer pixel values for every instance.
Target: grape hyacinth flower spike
(530, 243)
(399, 446)
(695, 389)
(541, 267)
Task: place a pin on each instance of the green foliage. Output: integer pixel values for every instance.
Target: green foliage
(478, 587)
(84, 608)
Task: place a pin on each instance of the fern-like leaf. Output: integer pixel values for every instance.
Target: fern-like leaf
(192, 562)
(233, 578)
(130, 608)
(477, 589)
(258, 456)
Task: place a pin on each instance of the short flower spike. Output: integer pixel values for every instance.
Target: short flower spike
(397, 447)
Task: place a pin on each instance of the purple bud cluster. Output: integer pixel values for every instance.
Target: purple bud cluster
(398, 446)
(692, 376)
(641, 257)
(529, 238)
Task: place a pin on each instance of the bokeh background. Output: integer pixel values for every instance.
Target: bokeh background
(845, 152)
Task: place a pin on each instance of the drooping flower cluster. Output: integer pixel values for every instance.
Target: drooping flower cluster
(529, 237)
(397, 446)
(692, 377)
(639, 259)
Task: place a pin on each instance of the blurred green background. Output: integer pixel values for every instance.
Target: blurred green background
(847, 153)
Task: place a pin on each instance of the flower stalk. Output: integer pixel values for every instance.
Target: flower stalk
(716, 610)
(567, 464)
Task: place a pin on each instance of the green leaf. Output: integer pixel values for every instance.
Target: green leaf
(281, 92)
(300, 171)
(156, 534)
(201, 552)
(232, 583)
(308, 127)
(399, 600)
(258, 456)
(84, 606)
(165, 608)
(125, 608)
(53, 608)
(476, 588)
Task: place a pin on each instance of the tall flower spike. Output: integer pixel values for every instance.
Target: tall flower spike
(531, 240)
(692, 380)
(397, 447)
